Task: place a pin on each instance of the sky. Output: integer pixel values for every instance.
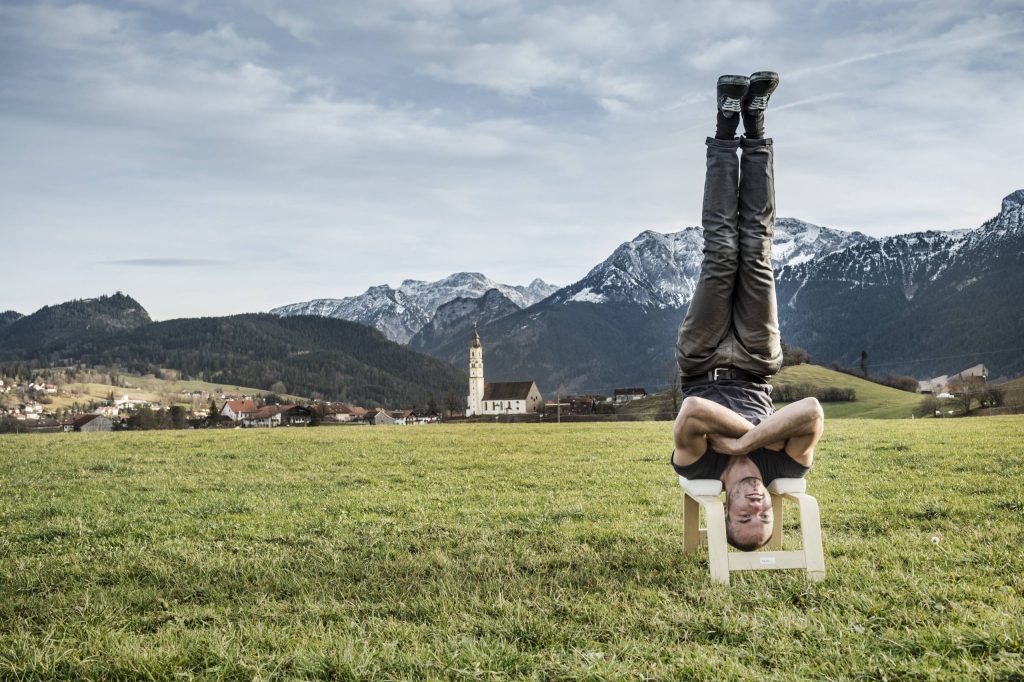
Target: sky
(210, 157)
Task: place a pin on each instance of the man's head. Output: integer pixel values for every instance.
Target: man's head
(748, 514)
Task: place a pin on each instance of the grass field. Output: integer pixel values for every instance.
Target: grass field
(151, 389)
(874, 401)
(472, 552)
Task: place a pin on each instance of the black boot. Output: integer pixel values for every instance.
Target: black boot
(762, 85)
(731, 90)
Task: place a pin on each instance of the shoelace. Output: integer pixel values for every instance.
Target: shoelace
(731, 104)
(758, 102)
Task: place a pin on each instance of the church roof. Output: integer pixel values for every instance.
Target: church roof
(475, 343)
(507, 390)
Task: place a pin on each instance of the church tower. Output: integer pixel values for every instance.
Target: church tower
(474, 400)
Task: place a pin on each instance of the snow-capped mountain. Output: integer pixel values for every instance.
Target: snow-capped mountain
(914, 300)
(400, 313)
(661, 270)
(910, 301)
(455, 319)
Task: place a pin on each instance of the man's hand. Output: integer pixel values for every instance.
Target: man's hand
(796, 427)
(725, 445)
(696, 420)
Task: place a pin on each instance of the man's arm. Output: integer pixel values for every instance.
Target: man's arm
(798, 425)
(697, 418)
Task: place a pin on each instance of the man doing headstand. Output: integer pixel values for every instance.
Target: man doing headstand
(728, 344)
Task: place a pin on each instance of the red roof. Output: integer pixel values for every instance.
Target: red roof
(79, 422)
(240, 406)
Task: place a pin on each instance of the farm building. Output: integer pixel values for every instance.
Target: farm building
(92, 422)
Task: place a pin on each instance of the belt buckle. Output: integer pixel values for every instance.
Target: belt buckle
(713, 374)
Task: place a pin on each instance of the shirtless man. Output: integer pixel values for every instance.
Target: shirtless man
(728, 342)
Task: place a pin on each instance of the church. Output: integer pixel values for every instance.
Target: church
(509, 397)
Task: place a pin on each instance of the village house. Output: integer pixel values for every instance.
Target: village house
(109, 411)
(403, 417)
(510, 397)
(940, 385)
(378, 416)
(342, 413)
(431, 417)
(92, 422)
(270, 416)
(238, 410)
(625, 395)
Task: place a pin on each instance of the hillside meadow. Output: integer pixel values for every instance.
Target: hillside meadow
(873, 401)
(521, 551)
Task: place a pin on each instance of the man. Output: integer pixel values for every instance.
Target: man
(729, 342)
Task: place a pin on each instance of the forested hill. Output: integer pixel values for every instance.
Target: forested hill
(53, 326)
(336, 359)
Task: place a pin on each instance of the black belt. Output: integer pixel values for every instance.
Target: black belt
(719, 373)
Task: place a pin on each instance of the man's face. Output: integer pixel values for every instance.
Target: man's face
(749, 518)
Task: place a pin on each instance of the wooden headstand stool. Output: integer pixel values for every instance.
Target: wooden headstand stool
(705, 493)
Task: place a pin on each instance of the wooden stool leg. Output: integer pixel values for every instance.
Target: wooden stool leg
(810, 528)
(718, 548)
(691, 525)
(776, 541)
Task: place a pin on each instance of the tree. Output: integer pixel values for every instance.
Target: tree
(278, 387)
(453, 403)
(178, 416)
(794, 355)
(675, 387)
(929, 407)
(992, 396)
(967, 389)
(864, 363)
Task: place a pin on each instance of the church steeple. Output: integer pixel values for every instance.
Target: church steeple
(476, 375)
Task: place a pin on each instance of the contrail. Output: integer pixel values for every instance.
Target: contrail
(922, 45)
(811, 100)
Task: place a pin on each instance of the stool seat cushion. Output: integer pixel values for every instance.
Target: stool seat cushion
(782, 486)
(701, 487)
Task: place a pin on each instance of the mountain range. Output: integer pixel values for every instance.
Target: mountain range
(922, 303)
(312, 356)
(400, 313)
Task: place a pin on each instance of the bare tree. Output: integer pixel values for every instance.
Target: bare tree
(675, 386)
(968, 389)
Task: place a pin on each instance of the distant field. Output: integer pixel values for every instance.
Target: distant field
(496, 552)
(874, 401)
(1014, 392)
(148, 388)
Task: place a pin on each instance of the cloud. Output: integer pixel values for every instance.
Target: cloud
(339, 145)
(166, 262)
(714, 54)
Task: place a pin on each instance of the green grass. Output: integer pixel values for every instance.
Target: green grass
(1013, 392)
(496, 552)
(874, 401)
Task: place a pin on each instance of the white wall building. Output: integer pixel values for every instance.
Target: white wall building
(510, 397)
